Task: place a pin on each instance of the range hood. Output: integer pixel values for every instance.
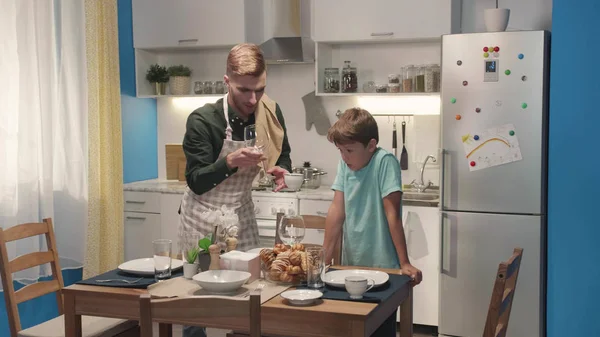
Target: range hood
(282, 29)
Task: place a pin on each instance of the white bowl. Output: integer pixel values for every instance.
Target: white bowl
(301, 296)
(221, 281)
(294, 180)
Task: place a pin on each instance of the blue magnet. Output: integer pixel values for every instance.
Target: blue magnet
(521, 56)
(476, 137)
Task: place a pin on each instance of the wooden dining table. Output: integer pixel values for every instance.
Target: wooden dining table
(329, 318)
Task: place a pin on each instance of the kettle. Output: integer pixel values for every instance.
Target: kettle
(312, 175)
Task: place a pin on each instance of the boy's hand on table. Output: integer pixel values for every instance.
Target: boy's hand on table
(413, 272)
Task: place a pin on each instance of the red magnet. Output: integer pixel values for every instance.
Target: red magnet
(496, 49)
(478, 110)
(486, 49)
(473, 163)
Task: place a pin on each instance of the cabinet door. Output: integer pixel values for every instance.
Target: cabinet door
(422, 231)
(140, 230)
(314, 207)
(163, 24)
(359, 20)
(169, 219)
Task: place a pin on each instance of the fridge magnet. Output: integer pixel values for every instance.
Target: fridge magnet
(492, 147)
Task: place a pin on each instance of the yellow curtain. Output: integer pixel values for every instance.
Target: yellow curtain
(104, 248)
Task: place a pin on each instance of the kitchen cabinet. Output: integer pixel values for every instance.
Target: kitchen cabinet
(141, 222)
(359, 20)
(314, 207)
(169, 218)
(422, 232)
(187, 23)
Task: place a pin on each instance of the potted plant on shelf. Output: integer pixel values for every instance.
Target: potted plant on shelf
(158, 76)
(496, 19)
(180, 80)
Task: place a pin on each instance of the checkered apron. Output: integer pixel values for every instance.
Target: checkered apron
(235, 192)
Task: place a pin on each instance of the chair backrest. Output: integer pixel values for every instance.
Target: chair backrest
(313, 222)
(496, 323)
(7, 268)
(221, 310)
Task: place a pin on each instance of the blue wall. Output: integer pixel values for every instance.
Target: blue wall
(140, 152)
(573, 226)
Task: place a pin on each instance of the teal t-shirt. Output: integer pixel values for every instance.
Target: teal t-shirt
(367, 239)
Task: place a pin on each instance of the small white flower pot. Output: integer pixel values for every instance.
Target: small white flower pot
(189, 270)
(496, 19)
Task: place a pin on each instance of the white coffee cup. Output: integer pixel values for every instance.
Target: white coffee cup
(356, 286)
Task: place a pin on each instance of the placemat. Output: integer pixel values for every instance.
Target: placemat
(181, 287)
(375, 295)
(141, 281)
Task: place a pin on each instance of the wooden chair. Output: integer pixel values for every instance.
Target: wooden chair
(313, 222)
(496, 323)
(91, 326)
(187, 310)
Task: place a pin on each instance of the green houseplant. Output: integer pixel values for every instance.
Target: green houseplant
(158, 76)
(180, 80)
(197, 257)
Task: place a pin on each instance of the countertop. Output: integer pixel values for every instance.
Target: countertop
(178, 187)
(322, 193)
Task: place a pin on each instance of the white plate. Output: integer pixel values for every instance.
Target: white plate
(145, 266)
(337, 278)
(301, 296)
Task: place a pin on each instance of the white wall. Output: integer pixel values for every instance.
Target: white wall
(288, 83)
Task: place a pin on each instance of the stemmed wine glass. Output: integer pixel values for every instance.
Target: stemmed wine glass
(257, 138)
(291, 229)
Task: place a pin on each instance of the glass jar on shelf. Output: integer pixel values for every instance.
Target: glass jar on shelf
(394, 88)
(419, 81)
(393, 78)
(349, 78)
(331, 80)
(408, 75)
(219, 87)
(381, 88)
(197, 87)
(208, 87)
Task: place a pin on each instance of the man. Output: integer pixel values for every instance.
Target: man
(220, 167)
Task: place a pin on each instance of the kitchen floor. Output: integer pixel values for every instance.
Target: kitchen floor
(419, 331)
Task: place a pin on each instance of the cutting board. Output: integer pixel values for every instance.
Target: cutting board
(175, 161)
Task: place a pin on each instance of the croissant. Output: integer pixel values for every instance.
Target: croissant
(296, 258)
(285, 277)
(280, 248)
(280, 265)
(267, 256)
(298, 246)
(304, 261)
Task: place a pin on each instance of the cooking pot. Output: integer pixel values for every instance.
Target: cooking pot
(312, 175)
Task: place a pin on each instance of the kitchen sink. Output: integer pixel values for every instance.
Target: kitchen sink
(420, 196)
(429, 198)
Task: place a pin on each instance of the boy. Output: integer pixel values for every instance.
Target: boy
(367, 200)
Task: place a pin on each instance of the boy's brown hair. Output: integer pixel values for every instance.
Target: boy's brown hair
(246, 59)
(354, 125)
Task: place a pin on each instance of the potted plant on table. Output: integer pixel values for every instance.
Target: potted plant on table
(180, 80)
(197, 257)
(158, 76)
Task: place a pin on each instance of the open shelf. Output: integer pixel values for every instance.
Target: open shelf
(378, 94)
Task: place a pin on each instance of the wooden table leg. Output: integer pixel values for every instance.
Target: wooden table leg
(72, 321)
(406, 315)
(165, 330)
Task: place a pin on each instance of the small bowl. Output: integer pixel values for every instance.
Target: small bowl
(301, 296)
(221, 281)
(294, 180)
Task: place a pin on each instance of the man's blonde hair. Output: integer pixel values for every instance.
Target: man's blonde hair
(246, 59)
(354, 125)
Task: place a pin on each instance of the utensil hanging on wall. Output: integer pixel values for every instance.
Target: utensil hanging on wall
(404, 154)
(395, 139)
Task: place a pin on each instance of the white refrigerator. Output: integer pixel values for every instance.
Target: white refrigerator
(493, 176)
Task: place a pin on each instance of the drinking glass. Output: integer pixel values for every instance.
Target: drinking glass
(162, 259)
(291, 229)
(315, 263)
(257, 138)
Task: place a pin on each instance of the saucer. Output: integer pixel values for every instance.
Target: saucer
(301, 296)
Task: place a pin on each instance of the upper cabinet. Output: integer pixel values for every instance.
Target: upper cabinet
(360, 20)
(187, 23)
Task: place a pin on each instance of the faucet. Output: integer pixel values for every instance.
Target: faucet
(421, 186)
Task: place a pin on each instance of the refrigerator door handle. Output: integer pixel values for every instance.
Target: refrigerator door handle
(445, 236)
(442, 178)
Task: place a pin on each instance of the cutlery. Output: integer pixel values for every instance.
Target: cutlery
(119, 280)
